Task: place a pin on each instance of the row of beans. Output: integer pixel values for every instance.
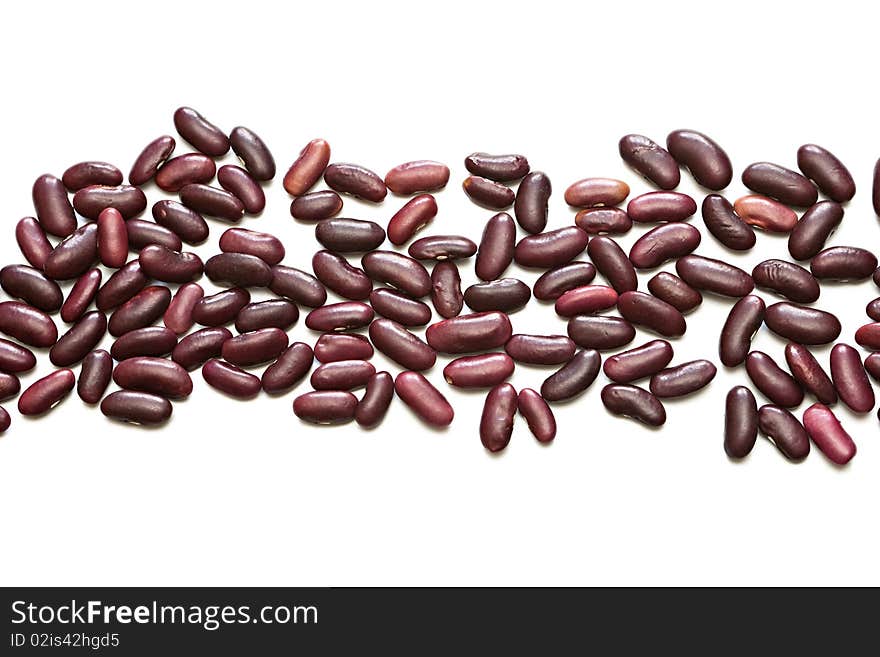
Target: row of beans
(251, 259)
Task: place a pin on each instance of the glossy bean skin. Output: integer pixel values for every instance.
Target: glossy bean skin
(254, 347)
(342, 346)
(376, 400)
(32, 241)
(325, 406)
(27, 324)
(765, 213)
(417, 213)
(355, 180)
(308, 167)
(316, 206)
(404, 348)
(496, 247)
(784, 185)
(211, 201)
(169, 266)
(398, 307)
(775, 383)
(14, 358)
(500, 168)
(868, 336)
(150, 159)
(585, 300)
(487, 193)
(342, 316)
(253, 153)
(147, 341)
(9, 386)
(31, 286)
(5, 420)
(128, 200)
(551, 249)
(850, 379)
(666, 242)
(398, 270)
(467, 333)
(650, 160)
(94, 376)
(136, 407)
(342, 235)
(537, 414)
(725, 225)
(504, 294)
(809, 235)
(81, 295)
(530, 205)
(342, 375)
(600, 332)
(45, 393)
(480, 371)
(232, 380)
(872, 365)
(424, 399)
(74, 255)
(603, 221)
(272, 313)
(442, 247)
(800, 324)
(289, 368)
(122, 285)
(633, 402)
(595, 192)
(787, 279)
(843, 263)
(266, 247)
(784, 431)
(82, 337)
(199, 346)
(809, 373)
(52, 207)
(298, 286)
(238, 269)
(740, 422)
(651, 313)
(142, 233)
(708, 163)
(572, 378)
(674, 291)
(112, 238)
(661, 206)
(611, 261)
(540, 349)
(743, 321)
(709, 275)
(220, 308)
(828, 434)
(141, 310)
(417, 176)
(241, 184)
(187, 224)
(496, 422)
(446, 294)
(873, 309)
(179, 315)
(88, 173)
(553, 283)
(346, 280)
(639, 362)
(183, 170)
(829, 173)
(203, 135)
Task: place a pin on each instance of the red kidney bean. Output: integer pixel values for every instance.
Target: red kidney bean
(500, 168)
(873, 310)
(481, 371)
(355, 180)
(740, 422)
(254, 347)
(674, 291)
(14, 358)
(376, 400)
(238, 269)
(45, 393)
(661, 206)
(585, 300)
(342, 375)
(136, 407)
(830, 175)
(411, 218)
(316, 206)
(203, 135)
(487, 193)
(128, 200)
(398, 270)
(553, 283)
(809, 235)
(291, 366)
(150, 159)
(639, 362)
(187, 224)
(169, 266)
(298, 286)
(253, 153)
(266, 247)
(220, 308)
(869, 336)
(74, 255)
(417, 176)
(424, 399)
(308, 168)
(401, 346)
(875, 191)
(633, 402)
(612, 263)
(682, 379)
(725, 225)
(505, 294)
(147, 341)
(112, 238)
(800, 324)
(540, 349)
(229, 379)
(122, 285)
(325, 406)
(213, 202)
(530, 206)
(199, 346)
(843, 263)
(9, 386)
(344, 279)
(850, 379)
(784, 431)
(465, 333)
(27, 324)
(399, 307)
(714, 276)
(806, 371)
(786, 278)
(141, 310)
(242, 185)
(872, 365)
(830, 437)
(84, 174)
(52, 206)
(708, 163)
(600, 332)
(780, 183)
(496, 247)
(183, 170)
(650, 160)
(446, 292)
(272, 313)
(551, 249)
(602, 221)
(765, 213)
(496, 423)
(340, 316)
(652, 313)
(143, 233)
(594, 192)
(32, 241)
(349, 235)
(179, 315)
(442, 247)
(94, 376)
(743, 321)
(774, 383)
(572, 378)
(537, 414)
(342, 346)
(31, 286)
(5, 420)
(663, 243)
(82, 337)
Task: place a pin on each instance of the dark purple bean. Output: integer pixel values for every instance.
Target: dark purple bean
(537, 414)
(496, 423)
(84, 174)
(253, 153)
(442, 247)
(715, 276)
(830, 175)
(203, 135)
(765, 213)
(342, 375)
(32, 241)
(179, 315)
(487, 193)
(551, 249)
(875, 190)
(232, 380)
(481, 371)
(661, 206)
(500, 168)
(401, 346)
(5, 420)
(298, 286)
(141, 310)
(872, 365)
(187, 224)
(663, 243)
(342, 316)
(876, 277)
(175, 267)
(775, 383)
(784, 185)
(150, 159)
(850, 379)
(800, 324)
(199, 346)
(242, 185)
(9, 386)
(638, 362)
(220, 308)
(843, 263)
(505, 294)
(633, 402)
(128, 200)
(585, 300)
(52, 206)
(136, 407)
(147, 341)
(540, 349)
(725, 225)
(254, 347)
(74, 255)
(868, 336)
(424, 399)
(674, 291)
(142, 233)
(212, 201)
(807, 372)
(532, 197)
(600, 332)
(708, 163)
(740, 422)
(828, 434)
(30, 285)
(355, 180)
(399, 307)
(417, 176)
(650, 160)
(411, 218)
(94, 376)
(553, 283)
(376, 400)
(612, 263)
(325, 406)
(343, 278)
(316, 206)
(183, 170)
(122, 285)
(743, 321)
(496, 247)
(572, 378)
(112, 238)
(45, 393)
(398, 270)
(14, 358)
(787, 279)
(82, 337)
(873, 309)
(682, 379)
(446, 292)
(27, 324)
(342, 346)
(784, 431)
(238, 269)
(349, 235)
(652, 313)
(266, 247)
(290, 367)
(595, 192)
(809, 235)
(308, 167)
(602, 221)
(272, 313)
(466, 333)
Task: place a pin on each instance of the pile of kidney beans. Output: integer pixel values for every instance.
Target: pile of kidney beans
(150, 363)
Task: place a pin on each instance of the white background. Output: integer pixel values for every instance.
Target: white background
(232, 493)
